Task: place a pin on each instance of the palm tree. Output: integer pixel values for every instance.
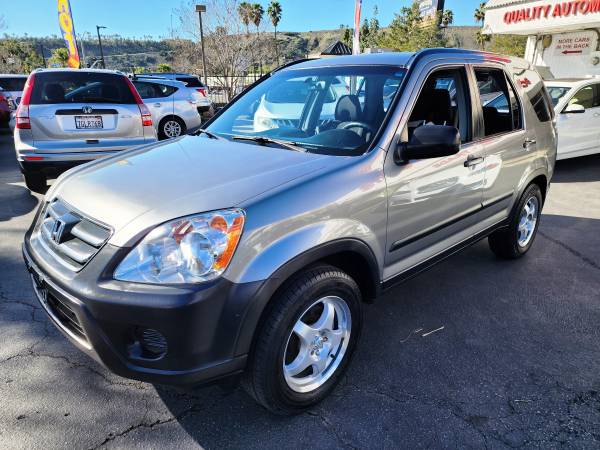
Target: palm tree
(274, 12)
(480, 13)
(244, 11)
(256, 15)
(447, 18)
(482, 38)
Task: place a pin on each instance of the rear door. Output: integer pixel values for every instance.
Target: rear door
(158, 97)
(78, 111)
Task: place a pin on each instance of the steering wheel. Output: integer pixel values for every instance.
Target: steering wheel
(348, 125)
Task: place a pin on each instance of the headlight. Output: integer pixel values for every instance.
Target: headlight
(188, 250)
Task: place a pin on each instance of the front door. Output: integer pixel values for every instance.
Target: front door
(580, 133)
(431, 200)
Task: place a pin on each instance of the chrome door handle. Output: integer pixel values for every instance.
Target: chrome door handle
(528, 143)
(473, 161)
(157, 105)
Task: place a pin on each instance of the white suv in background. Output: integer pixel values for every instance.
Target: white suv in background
(172, 104)
(577, 105)
(197, 88)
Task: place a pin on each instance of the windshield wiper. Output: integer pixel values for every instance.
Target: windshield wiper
(261, 140)
(210, 134)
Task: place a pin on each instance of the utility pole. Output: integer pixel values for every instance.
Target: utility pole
(42, 52)
(200, 9)
(98, 27)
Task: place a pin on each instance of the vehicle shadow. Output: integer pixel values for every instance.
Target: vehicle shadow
(582, 169)
(15, 201)
(444, 356)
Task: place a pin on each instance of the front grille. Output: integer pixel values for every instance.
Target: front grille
(69, 237)
(63, 312)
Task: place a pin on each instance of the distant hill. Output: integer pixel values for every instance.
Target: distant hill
(126, 53)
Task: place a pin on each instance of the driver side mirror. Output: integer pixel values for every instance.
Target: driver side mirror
(574, 108)
(429, 141)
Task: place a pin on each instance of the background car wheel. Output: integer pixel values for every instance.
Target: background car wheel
(36, 182)
(171, 127)
(514, 241)
(306, 340)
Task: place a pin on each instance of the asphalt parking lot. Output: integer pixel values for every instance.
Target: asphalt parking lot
(516, 364)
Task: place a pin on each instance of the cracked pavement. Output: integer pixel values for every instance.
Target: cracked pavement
(516, 364)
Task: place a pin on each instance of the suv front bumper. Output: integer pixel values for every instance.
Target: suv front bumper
(195, 328)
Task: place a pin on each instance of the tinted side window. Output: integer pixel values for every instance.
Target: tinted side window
(146, 90)
(499, 102)
(191, 81)
(541, 105)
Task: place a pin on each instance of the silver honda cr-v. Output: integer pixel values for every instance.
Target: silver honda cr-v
(248, 253)
(69, 116)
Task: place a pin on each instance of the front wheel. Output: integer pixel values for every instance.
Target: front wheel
(515, 240)
(306, 340)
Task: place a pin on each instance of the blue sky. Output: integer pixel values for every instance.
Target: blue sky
(136, 18)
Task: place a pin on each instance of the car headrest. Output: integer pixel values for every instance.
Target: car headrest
(55, 93)
(440, 107)
(348, 109)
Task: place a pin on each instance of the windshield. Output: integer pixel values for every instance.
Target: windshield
(328, 110)
(557, 92)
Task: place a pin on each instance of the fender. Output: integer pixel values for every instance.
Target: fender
(253, 313)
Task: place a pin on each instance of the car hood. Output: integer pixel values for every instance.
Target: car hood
(144, 187)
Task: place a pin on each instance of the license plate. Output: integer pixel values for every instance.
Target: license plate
(88, 122)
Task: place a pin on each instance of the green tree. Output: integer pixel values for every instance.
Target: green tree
(408, 32)
(60, 57)
(244, 11)
(256, 15)
(447, 18)
(481, 38)
(479, 13)
(347, 38)
(509, 44)
(17, 56)
(164, 68)
(274, 12)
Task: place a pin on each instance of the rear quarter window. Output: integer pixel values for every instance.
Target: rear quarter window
(542, 105)
(80, 87)
(193, 82)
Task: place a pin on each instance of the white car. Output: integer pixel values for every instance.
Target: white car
(196, 88)
(577, 106)
(174, 108)
(13, 85)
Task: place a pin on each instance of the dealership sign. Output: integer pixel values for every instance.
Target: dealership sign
(65, 21)
(537, 17)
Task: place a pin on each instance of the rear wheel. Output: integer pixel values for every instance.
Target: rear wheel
(515, 240)
(171, 127)
(36, 181)
(306, 341)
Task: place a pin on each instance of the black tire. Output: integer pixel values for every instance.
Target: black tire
(505, 242)
(36, 182)
(164, 134)
(264, 380)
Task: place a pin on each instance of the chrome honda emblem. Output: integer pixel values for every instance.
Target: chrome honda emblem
(87, 109)
(57, 231)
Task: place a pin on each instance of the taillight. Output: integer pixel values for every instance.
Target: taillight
(144, 111)
(146, 116)
(202, 91)
(22, 116)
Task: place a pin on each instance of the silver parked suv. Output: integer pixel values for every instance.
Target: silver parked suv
(249, 253)
(68, 116)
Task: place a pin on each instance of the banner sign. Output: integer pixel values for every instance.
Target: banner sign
(65, 20)
(356, 36)
(428, 8)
